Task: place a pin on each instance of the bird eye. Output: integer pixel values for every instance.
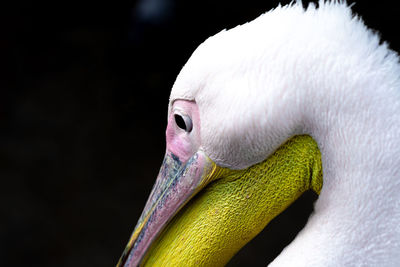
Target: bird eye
(183, 122)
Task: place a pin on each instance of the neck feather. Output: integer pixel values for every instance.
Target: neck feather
(356, 219)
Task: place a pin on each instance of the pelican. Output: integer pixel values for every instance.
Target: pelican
(298, 99)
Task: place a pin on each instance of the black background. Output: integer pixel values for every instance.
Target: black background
(83, 104)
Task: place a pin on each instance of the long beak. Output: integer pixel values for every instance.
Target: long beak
(176, 184)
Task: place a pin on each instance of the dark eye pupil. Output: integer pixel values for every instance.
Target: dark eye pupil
(180, 122)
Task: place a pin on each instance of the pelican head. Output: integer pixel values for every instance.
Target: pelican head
(255, 116)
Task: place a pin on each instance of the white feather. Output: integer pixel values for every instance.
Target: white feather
(320, 72)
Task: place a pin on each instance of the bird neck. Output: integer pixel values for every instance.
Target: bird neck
(357, 215)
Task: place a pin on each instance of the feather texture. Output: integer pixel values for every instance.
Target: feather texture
(321, 72)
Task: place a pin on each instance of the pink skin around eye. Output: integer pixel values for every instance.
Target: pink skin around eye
(181, 143)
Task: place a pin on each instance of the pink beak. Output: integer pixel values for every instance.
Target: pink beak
(176, 184)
